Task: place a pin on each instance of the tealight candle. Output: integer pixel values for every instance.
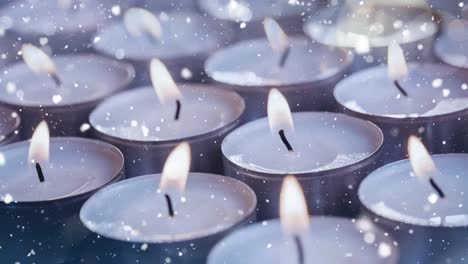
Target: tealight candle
(247, 15)
(421, 199)
(305, 72)
(330, 153)
(62, 90)
(64, 26)
(174, 217)
(451, 45)
(146, 124)
(370, 28)
(291, 239)
(183, 40)
(41, 196)
(433, 108)
(9, 125)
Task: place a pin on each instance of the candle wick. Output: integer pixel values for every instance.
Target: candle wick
(170, 209)
(177, 113)
(40, 175)
(285, 140)
(398, 86)
(437, 188)
(56, 79)
(284, 57)
(300, 249)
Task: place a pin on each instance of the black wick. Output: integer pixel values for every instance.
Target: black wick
(177, 113)
(398, 86)
(40, 175)
(284, 57)
(56, 79)
(437, 188)
(300, 249)
(285, 140)
(170, 209)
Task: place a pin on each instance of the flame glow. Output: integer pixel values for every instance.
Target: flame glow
(163, 84)
(39, 146)
(420, 159)
(279, 114)
(139, 21)
(65, 4)
(176, 169)
(37, 60)
(276, 37)
(293, 208)
(397, 67)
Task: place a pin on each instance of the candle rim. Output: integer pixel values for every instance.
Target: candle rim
(333, 172)
(21, 68)
(217, 58)
(441, 53)
(11, 129)
(200, 234)
(117, 175)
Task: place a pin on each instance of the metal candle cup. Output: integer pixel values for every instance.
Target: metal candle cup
(9, 125)
(329, 240)
(306, 80)
(435, 108)
(372, 28)
(132, 222)
(403, 205)
(332, 154)
(145, 130)
(40, 219)
(86, 80)
(186, 41)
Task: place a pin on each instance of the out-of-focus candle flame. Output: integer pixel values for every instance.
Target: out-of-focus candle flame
(163, 84)
(39, 146)
(362, 44)
(65, 4)
(37, 60)
(293, 208)
(397, 68)
(139, 21)
(276, 37)
(420, 159)
(176, 169)
(279, 114)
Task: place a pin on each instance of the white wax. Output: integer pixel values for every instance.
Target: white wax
(76, 166)
(404, 198)
(139, 115)
(330, 240)
(321, 141)
(85, 79)
(136, 210)
(433, 90)
(254, 63)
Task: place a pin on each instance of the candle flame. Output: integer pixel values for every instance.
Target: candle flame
(276, 37)
(39, 146)
(361, 44)
(397, 67)
(37, 60)
(176, 169)
(293, 208)
(420, 159)
(279, 114)
(139, 21)
(163, 84)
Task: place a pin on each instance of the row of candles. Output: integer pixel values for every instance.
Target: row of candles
(152, 218)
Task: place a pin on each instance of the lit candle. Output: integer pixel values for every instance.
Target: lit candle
(182, 40)
(330, 153)
(61, 90)
(305, 72)
(369, 28)
(428, 100)
(421, 199)
(173, 217)
(146, 123)
(291, 239)
(247, 15)
(44, 183)
(9, 126)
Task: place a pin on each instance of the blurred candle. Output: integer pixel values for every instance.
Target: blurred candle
(451, 45)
